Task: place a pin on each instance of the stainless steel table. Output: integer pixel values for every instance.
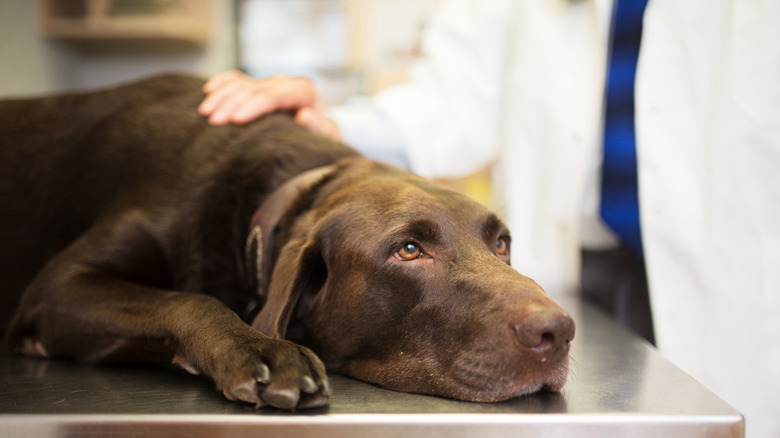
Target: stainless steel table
(619, 386)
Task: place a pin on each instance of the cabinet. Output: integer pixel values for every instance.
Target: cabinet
(140, 20)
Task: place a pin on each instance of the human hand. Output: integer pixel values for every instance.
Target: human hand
(233, 97)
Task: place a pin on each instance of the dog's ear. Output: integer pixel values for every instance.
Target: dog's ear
(299, 273)
(285, 225)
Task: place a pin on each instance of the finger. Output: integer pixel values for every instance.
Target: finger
(225, 98)
(256, 105)
(215, 97)
(225, 112)
(274, 94)
(225, 85)
(219, 79)
(316, 121)
(292, 93)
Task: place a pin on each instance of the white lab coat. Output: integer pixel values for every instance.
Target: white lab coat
(520, 84)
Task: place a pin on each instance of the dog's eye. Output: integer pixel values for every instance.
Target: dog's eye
(409, 251)
(502, 246)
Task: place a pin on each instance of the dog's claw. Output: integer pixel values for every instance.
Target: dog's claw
(325, 389)
(308, 385)
(263, 374)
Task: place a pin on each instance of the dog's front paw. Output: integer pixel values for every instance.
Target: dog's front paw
(274, 373)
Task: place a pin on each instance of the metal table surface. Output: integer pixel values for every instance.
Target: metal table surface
(618, 386)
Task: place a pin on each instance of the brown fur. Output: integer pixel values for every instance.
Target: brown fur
(134, 231)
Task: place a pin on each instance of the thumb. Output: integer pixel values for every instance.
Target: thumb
(316, 121)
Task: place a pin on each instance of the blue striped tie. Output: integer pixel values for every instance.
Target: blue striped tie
(619, 197)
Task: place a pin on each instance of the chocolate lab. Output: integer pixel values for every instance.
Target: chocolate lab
(258, 255)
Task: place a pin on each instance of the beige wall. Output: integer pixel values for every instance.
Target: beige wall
(32, 64)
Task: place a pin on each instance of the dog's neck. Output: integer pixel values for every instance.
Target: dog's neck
(263, 226)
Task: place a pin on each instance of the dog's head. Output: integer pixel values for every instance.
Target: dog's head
(395, 280)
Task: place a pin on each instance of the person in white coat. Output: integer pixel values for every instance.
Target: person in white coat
(520, 85)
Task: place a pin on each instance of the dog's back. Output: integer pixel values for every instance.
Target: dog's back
(67, 161)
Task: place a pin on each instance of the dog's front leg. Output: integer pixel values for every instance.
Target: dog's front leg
(75, 311)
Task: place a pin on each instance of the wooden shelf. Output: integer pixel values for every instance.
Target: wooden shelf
(154, 20)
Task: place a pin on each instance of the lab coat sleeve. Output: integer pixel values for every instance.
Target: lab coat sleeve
(368, 129)
(445, 117)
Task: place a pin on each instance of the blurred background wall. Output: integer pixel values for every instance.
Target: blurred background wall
(348, 46)
(37, 56)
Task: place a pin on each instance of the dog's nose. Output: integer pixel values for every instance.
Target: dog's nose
(546, 333)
